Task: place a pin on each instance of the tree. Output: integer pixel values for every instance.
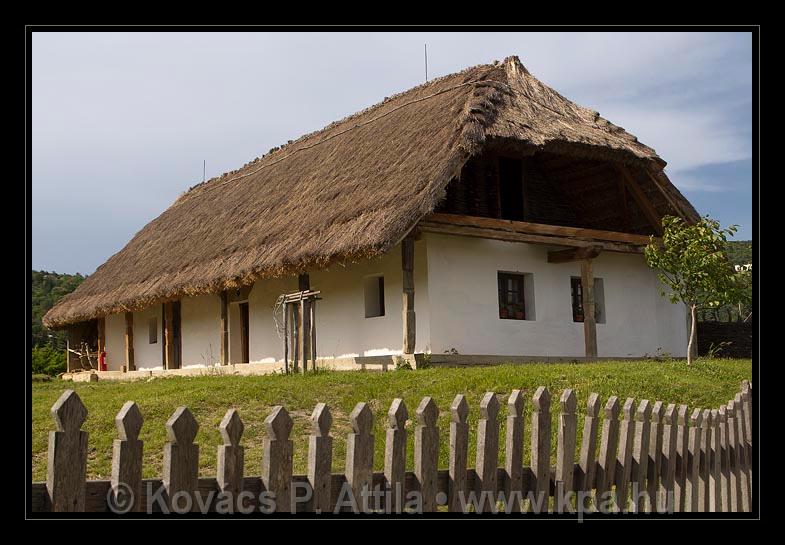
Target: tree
(693, 263)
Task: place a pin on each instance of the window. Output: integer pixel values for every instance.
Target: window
(511, 188)
(577, 300)
(152, 330)
(514, 290)
(374, 296)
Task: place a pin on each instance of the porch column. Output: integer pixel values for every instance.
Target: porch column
(168, 337)
(304, 321)
(129, 341)
(589, 325)
(224, 328)
(407, 262)
(101, 334)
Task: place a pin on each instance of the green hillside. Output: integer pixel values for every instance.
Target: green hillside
(740, 251)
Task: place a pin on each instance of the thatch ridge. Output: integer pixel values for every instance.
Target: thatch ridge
(349, 191)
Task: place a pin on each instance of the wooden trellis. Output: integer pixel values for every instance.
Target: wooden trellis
(299, 329)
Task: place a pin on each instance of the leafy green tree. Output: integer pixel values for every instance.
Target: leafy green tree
(693, 263)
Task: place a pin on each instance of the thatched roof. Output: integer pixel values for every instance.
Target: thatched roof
(351, 190)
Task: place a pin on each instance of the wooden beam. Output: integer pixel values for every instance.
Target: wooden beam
(589, 324)
(129, 342)
(407, 266)
(525, 227)
(677, 206)
(224, 328)
(168, 337)
(101, 334)
(574, 254)
(304, 321)
(509, 236)
(641, 199)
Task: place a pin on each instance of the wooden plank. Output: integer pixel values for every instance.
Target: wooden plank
(487, 453)
(715, 472)
(225, 328)
(668, 197)
(606, 466)
(654, 475)
(624, 457)
(670, 440)
(127, 454)
(640, 455)
(574, 254)
(725, 487)
(565, 449)
(129, 341)
(320, 456)
(692, 491)
(231, 459)
(181, 461)
(734, 481)
(513, 459)
(67, 455)
(541, 448)
(641, 200)
(409, 318)
(589, 320)
(744, 476)
(682, 451)
(426, 453)
(527, 238)
(524, 227)
(101, 323)
(704, 462)
(588, 461)
(359, 457)
(395, 454)
(277, 459)
(459, 445)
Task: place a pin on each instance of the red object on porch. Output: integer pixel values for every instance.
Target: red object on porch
(102, 360)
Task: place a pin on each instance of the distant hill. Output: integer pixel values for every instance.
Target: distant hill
(740, 251)
(47, 289)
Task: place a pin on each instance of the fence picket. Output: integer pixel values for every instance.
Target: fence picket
(666, 501)
(724, 462)
(181, 460)
(715, 501)
(654, 464)
(565, 448)
(359, 456)
(734, 482)
(426, 452)
(395, 454)
(513, 459)
(693, 461)
(587, 463)
(624, 458)
(746, 396)
(277, 459)
(682, 452)
(67, 455)
(640, 454)
(703, 462)
(231, 457)
(487, 453)
(744, 476)
(320, 458)
(541, 449)
(459, 444)
(606, 468)
(126, 480)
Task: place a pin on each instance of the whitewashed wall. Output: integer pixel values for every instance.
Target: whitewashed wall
(201, 330)
(146, 355)
(115, 342)
(462, 282)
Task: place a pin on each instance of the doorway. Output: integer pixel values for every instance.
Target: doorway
(172, 317)
(244, 319)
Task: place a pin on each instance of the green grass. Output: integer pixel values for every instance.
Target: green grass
(706, 384)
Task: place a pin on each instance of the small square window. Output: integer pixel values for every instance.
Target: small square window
(374, 296)
(513, 293)
(576, 289)
(152, 330)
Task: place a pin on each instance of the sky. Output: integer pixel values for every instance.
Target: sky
(122, 122)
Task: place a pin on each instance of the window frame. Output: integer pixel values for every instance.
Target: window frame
(510, 310)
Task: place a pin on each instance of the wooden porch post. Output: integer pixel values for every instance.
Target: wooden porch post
(304, 321)
(224, 328)
(168, 337)
(101, 334)
(589, 325)
(407, 262)
(129, 341)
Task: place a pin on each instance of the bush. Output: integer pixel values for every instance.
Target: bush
(47, 361)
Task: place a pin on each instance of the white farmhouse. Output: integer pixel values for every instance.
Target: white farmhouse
(479, 217)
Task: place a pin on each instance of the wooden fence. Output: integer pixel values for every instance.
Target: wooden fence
(649, 458)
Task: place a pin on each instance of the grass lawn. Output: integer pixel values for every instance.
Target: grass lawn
(706, 384)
